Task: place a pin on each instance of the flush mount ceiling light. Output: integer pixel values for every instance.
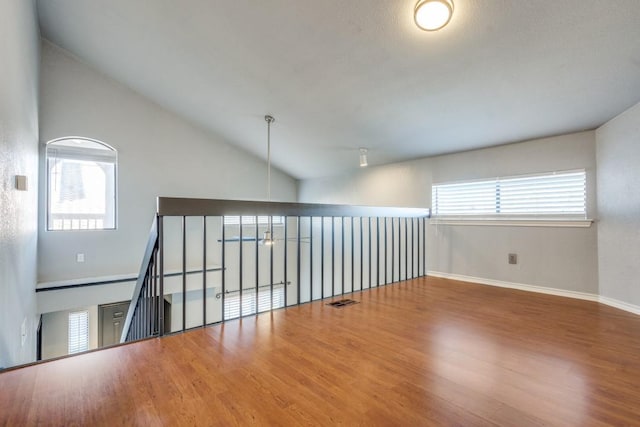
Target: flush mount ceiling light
(363, 158)
(431, 15)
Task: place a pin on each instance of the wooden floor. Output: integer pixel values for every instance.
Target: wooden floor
(424, 352)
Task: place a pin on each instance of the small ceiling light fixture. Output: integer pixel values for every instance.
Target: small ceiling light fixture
(267, 238)
(431, 15)
(363, 158)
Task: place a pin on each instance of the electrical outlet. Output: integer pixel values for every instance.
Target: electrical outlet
(23, 331)
(79, 257)
(513, 258)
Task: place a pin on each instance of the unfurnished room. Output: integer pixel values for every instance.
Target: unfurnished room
(279, 212)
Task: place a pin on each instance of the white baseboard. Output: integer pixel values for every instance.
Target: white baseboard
(519, 286)
(621, 305)
(541, 289)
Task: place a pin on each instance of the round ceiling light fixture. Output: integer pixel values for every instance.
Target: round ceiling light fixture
(431, 15)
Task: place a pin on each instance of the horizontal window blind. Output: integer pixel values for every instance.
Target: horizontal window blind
(78, 331)
(559, 194)
(232, 301)
(251, 220)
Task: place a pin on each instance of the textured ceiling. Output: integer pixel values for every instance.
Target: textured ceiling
(343, 74)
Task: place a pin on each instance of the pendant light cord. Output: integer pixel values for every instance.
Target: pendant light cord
(269, 120)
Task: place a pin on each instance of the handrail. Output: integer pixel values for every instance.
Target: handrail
(152, 246)
(235, 291)
(176, 206)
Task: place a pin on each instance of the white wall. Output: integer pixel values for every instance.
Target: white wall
(159, 154)
(19, 55)
(618, 155)
(561, 258)
(67, 299)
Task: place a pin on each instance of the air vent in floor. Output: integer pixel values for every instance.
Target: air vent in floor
(343, 303)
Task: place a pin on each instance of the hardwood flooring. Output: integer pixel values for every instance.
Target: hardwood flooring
(418, 353)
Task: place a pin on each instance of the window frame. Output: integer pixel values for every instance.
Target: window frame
(47, 170)
(512, 219)
(86, 337)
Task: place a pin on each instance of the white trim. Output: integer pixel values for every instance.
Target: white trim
(84, 280)
(583, 223)
(124, 278)
(635, 309)
(498, 177)
(541, 290)
(519, 286)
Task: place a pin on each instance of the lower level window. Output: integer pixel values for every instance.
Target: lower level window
(232, 301)
(78, 331)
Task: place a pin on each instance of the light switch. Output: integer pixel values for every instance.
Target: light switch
(21, 183)
(79, 257)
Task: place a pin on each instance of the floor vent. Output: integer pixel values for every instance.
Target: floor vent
(343, 303)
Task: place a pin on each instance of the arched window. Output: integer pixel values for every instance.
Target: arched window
(81, 184)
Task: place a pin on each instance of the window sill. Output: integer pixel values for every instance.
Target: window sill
(580, 223)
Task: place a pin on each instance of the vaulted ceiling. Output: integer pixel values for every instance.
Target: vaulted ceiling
(343, 74)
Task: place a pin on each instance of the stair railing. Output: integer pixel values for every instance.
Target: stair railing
(347, 249)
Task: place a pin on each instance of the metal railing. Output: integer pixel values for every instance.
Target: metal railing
(142, 317)
(320, 251)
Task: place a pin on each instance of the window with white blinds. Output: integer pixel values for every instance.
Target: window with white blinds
(558, 195)
(251, 220)
(232, 301)
(78, 331)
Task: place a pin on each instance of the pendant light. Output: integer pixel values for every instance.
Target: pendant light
(267, 238)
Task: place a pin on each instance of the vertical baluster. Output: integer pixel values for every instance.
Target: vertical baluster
(138, 321)
(141, 303)
(161, 276)
(204, 271)
(298, 260)
(223, 267)
(370, 258)
(310, 258)
(273, 239)
(184, 272)
(257, 293)
(424, 246)
(361, 254)
(147, 286)
(149, 298)
(353, 285)
(386, 257)
(393, 249)
(322, 256)
(342, 252)
(413, 246)
(154, 306)
(145, 301)
(378, 248)
(399, 260)
(406, 250)
(333, 256)
(286, 275)
(241, 267)
(419, 247)
(149, 303)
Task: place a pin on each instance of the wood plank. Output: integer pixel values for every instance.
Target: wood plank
(427, 351)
